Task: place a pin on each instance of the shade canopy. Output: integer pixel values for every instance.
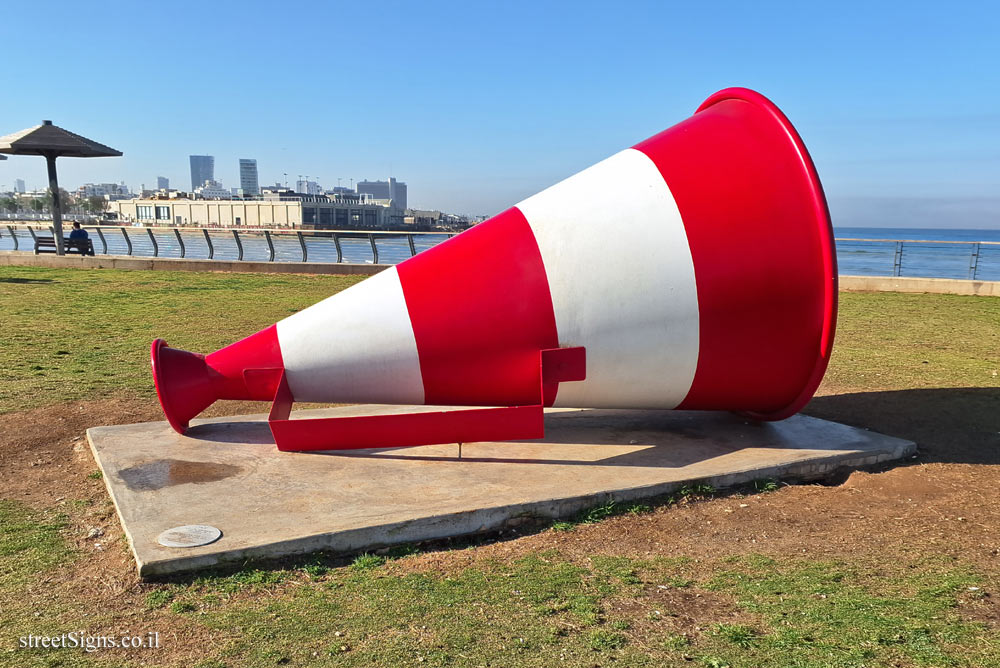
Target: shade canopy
(47, 139)
(51, 141)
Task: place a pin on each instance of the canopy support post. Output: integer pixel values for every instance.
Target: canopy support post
(50, 159)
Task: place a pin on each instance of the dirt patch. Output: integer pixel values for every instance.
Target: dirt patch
(672, 610)
(44, 454)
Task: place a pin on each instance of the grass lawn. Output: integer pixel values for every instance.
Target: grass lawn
(70, 334)
(776, 576)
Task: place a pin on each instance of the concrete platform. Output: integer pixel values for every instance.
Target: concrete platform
(227, 473)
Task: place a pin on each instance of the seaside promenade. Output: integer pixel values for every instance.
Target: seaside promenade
(940, 254)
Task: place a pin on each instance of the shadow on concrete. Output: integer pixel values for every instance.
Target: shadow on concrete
(631, 438)
(245, 431)
(661, 439)
(644, 456)
(645, 452)
(952, 425)
(664, 439)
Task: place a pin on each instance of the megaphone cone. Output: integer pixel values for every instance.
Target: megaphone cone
(695, 270)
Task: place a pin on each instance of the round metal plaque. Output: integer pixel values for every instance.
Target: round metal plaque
(189, 535)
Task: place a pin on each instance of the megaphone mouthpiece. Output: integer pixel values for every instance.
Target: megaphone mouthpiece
(187, 383)
(183, 383)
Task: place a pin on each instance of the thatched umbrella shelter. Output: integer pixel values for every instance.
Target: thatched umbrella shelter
(52, 141)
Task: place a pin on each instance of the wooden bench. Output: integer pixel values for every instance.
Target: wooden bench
(48, 245)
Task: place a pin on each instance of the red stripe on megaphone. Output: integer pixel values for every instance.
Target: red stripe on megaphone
(481, 312)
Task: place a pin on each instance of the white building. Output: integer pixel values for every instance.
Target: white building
(391, 189)
(212, 190)
(106, 190)
(308, 187)
(278, 208)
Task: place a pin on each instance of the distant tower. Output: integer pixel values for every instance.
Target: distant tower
(162, 183)
(397, 193)
(202, 169)
(19, 185)
(248, 177)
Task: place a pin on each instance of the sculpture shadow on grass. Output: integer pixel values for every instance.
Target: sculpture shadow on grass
(959, 425)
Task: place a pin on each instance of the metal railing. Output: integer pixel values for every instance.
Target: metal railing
(22, 217)
(240, 244)
(976, 260)
(866, 257)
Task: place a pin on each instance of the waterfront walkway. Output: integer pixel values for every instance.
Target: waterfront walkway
(972, 260)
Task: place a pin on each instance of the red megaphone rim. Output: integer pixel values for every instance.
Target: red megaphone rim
(820, 217)
(183, 386)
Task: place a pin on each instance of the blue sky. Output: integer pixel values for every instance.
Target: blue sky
(478, 105)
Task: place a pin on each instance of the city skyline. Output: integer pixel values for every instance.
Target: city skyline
(900, 110)
(390, 188)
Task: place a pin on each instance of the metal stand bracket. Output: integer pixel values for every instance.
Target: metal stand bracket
(424, 428)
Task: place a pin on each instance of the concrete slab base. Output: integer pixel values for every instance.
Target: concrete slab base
(227, 473)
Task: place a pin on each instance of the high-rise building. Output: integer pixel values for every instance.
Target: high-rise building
(202, 170)
(248, 177)
(391, 189)
(19, 185)
(397, 193)
(162, 183)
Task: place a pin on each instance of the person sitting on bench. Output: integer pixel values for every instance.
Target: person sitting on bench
(78, 233)
(78, 238)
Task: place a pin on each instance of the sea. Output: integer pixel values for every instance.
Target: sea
(861, 251)
(923, 252)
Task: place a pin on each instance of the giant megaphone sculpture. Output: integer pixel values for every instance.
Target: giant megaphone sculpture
(695, 270)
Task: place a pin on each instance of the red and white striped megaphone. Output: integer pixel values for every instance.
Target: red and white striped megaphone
(695, 270)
